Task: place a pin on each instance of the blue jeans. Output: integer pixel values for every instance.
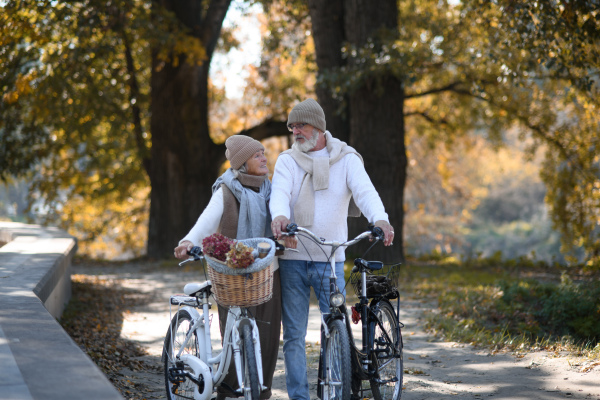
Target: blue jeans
(297, 277)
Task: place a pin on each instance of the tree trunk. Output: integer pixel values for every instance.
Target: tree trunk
(184, 160)
(377, 122)
(378, 135)
(328, 33)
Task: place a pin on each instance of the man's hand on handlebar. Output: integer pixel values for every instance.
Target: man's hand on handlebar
(279, 225)
(279, 229)
(388, 231)
(181, 251)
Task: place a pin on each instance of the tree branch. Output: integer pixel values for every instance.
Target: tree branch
(267, 129)
(212, 24)
(446, 88)
(427, 117)
(134, 94)
(535, 129)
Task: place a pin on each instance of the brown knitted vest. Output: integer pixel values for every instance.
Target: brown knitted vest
(231, 206)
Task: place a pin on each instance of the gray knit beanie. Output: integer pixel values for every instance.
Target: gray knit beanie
(240, 148)
(308, 112)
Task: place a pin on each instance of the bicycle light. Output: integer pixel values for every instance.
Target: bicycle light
(337, 299)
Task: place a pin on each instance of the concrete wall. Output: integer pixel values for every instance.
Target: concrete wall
(38, 360)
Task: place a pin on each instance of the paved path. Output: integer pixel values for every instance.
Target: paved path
(437, 369)
(38, 359)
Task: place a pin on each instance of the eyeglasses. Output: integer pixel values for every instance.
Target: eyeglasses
(291, 127)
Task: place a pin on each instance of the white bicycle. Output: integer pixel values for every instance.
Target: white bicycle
(191, 369)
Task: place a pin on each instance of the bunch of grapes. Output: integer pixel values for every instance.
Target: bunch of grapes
(240, 256)
(217, 246)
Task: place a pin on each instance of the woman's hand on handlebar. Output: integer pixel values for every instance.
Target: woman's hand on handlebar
(290, 242)
(181, 251)
(388, 231)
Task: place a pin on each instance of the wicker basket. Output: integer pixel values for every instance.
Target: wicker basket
(390, 271)
(247, 287)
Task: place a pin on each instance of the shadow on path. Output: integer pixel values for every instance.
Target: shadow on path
(447, 370)
(435, 369)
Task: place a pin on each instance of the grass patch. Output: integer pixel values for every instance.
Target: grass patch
(509, 306)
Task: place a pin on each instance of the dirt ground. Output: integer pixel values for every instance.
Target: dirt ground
(433, 369)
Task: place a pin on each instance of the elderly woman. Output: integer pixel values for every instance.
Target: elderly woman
(239, 209)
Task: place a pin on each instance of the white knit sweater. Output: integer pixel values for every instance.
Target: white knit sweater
(347, 178)
(208, 222)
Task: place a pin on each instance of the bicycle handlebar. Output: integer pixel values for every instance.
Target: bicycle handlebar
(375, 231)
(195, 252)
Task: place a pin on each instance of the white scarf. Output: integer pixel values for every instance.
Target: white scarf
(318, 169)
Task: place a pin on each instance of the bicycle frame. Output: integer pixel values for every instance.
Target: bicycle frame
(202, 365)
(333, 288)
(337, 307)
(369, 314)
(371, 321)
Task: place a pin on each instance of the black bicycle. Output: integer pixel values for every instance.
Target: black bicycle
(344, 365)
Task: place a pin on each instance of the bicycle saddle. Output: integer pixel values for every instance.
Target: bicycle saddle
(360, 264)
(194, 288)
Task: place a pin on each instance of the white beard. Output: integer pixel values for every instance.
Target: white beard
(308, 144)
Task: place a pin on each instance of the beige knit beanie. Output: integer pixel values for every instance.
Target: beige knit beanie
(240, 148)
(308, 112)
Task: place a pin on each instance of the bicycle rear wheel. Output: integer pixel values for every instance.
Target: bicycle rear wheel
(250, 368)
(386, 346)
(179, 386)
(337, 366)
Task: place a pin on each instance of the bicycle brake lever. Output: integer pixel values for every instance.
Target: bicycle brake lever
(186, 261)
(196, 253)
(292, 228)
(281, 247)
(378, 233)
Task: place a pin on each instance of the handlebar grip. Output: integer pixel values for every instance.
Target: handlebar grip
(378, 233)
(292, 228)
(278, 246)
(195, 252)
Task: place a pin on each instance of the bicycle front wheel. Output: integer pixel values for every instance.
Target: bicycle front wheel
(337, 367)
(386, 347)
(177, 384)
(251, 384)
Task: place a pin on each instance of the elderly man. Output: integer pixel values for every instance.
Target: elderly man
(317, 184)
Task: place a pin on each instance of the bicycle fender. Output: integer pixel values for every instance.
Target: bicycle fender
(192, 311)
(200, 370)
(196, 317)
(258, 353)
(327, 318)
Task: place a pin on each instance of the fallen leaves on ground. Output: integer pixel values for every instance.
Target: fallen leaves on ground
(587, 367)
(94, 319)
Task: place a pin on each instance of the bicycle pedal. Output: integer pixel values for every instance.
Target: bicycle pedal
(384, 382)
